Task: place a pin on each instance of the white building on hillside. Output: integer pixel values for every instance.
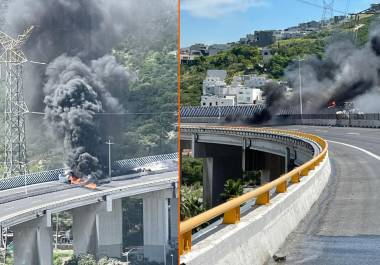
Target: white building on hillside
(242, 91)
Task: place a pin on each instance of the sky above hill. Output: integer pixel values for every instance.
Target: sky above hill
(222, 21)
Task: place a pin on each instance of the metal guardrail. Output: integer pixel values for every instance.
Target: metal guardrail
(231, 209)
(249, 111)
(24, 215)
(222, 111)
(52, 175)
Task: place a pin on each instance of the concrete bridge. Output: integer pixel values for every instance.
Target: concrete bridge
(97, 215)
(329, 216)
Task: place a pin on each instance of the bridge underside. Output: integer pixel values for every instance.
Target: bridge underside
(222, 162)
(98, 230)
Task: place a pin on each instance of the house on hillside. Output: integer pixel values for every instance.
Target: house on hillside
(242, 90)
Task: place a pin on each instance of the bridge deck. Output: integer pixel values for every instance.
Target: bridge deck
(51, 197)
(343, 226)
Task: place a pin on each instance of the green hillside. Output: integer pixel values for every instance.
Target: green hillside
(152, 89)
(245, 59)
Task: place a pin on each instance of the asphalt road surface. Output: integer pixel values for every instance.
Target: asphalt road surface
(343, 226)
(34, 201)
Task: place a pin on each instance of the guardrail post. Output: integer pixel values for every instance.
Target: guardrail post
(185, 242)
(304, 172)
(295, 178)
(282, 187)
(263, 199)
(232, 216)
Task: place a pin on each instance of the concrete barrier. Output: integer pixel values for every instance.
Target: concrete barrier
(278, 121)
(261, 232)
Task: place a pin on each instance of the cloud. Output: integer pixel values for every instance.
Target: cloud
(217, 8)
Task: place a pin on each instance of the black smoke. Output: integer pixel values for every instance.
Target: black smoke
(81, 80)
(75, 95)
(345, 73)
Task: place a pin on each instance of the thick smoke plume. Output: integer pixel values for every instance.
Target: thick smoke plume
(80, 80)
(346, 73)
(74, 95)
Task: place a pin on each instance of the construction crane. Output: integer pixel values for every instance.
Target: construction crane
(12, 59)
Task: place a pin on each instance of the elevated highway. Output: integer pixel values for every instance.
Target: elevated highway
(343, 226)
(97, 214)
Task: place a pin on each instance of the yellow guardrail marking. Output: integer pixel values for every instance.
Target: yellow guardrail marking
(231, 209)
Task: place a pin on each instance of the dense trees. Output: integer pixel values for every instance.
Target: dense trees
(245, 59)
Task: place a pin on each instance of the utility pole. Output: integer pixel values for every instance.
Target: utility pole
(109, 143)
(56, 231)
(12, 59)
(300, 86)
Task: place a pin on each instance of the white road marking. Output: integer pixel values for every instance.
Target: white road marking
(357, 148)
(353, 133)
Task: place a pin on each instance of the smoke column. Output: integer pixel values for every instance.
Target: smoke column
(345, 73)
(75, 38)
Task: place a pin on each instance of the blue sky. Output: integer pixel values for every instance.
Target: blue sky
(222, 21)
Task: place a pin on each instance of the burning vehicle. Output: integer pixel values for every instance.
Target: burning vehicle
(69, 177)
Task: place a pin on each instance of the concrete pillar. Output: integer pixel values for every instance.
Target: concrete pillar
(287, 159)
(243, 158)
(33, 243)
(275, 165)
(271, 165)
(174, 221)
(97, 231)
(110, 231)
(216, 171)
(156, 226)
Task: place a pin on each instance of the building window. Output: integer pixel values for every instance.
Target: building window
(210, 103)
(204, 104)
(216, 103)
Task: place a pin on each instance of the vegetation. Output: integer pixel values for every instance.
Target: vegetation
(232, 189)
(132, 222)
(192, 170)
(240, 59)
(191, 201)
(61, 256)
(152, 90)
(245, 59)
(252, 178)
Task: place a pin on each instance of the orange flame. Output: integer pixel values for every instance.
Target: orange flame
(91, 186)
(332, 104)
(75, 180)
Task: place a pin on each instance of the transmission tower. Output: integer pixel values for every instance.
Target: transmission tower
(328, 11)
(12, 59)
(3, 245)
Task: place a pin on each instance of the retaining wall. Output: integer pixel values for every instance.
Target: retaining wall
(261, 232)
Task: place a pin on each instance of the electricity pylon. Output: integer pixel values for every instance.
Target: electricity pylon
(328, 11)
(13, 58)
(3, 245)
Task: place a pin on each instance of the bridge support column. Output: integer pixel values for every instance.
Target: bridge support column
(97, 230)
(216, 171)
(156, 225)
(174, 221)
(33, 243)
(271, 165)
(221, 162)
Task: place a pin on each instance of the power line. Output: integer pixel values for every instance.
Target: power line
(347, 7)
(116, 113)
(319, 6)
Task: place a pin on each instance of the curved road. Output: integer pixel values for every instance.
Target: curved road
(13, 210)
(343, 226)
